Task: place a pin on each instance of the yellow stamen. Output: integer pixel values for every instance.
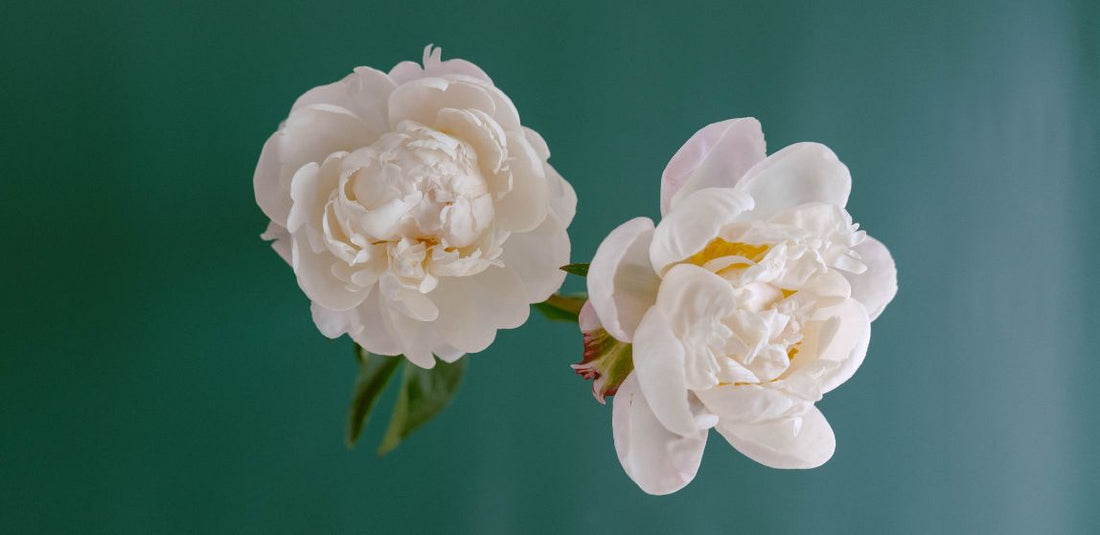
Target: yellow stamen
(719, 248)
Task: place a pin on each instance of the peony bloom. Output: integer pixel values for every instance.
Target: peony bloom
(418, 214)
(751, 299)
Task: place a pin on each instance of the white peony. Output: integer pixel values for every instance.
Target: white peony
(418, 214)
(750, 300)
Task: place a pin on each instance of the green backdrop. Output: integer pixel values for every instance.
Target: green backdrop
(160, 373)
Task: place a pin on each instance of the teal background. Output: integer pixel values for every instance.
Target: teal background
(159, 371)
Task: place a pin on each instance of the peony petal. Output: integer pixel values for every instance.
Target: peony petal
(536, 257)
(421, 100)
(694, 222)
(407, 71)
(718, 155)
(369, 328)
(750, 404)
(804, 441)
(315, 277)
(621, 282)
(659, 461)
(526, 205)
(563, 199)
(834, 345)
(310, 134)
(659, 366)
(797, 174)
(878, 285)
(364, 92)
(694, 303)
(279, 238)
(472, 309)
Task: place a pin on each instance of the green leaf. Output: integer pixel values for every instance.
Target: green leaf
(375, 372)
(423, 394)
(562, 307)
(576, 269)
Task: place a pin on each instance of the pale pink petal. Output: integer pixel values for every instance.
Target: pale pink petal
(803, 441)
(747, 404)
(526, 205)
(316, 278)
(659, 461)
(718, 155)
(536, 257)
(878, 285)
(365, 92)
(472, 309)
(621, 282)
(833, 346)
(798, 174)
(659, 367)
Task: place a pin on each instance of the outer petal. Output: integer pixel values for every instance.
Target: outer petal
(804, 441)
(536, 257)
(621, 282)
(659, 461)
(563, 199)
(280, 240)
(421, 100)
(526, 205)
(750, 404)
(716, 156)
(368, 327)
(659, 367)
(310, 134)
(315, 277)
(364, 92)
(834, 345)
(472, 309)
(878, 285)
(797, 174)
(409, 70)
(696, 221)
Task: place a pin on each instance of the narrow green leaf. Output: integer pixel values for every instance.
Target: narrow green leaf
(562, 307)
(375, 372)
(576, 269)
(423, 394)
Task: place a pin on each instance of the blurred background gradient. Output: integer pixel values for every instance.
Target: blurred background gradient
(160, 372)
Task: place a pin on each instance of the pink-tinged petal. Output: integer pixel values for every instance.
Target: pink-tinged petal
(421, 100)
(407, 71)
(482, 133)
(536, 257)
(418, 339)
(315, 276)
(365, 92)
(368, 327)
(878, 285)
(563, 199)
(750, 404)
(279, 238)
(694, 301)
(833, 346)
(472, 309)
(716, 156)
(526, 205)
(621, 282)
(659, 366)
(803, 441)
(694, 222)
(659, 461)
(798, 174)
(310, 134)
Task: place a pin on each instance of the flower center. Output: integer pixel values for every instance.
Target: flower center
(417, 198)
